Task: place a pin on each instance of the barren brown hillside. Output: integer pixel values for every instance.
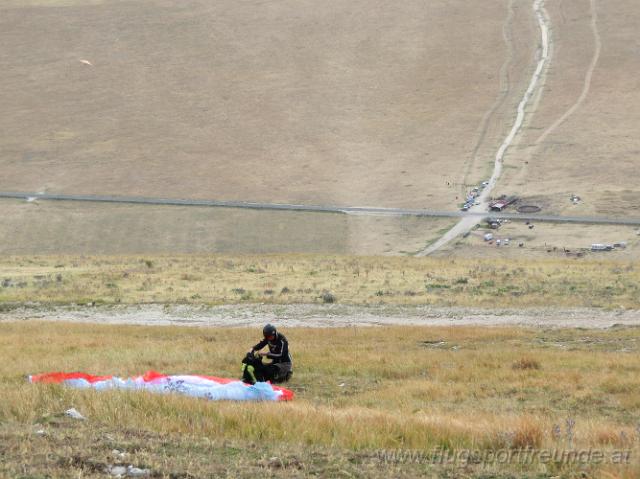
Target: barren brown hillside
(359, 102)
(583, 136)
(348, 103)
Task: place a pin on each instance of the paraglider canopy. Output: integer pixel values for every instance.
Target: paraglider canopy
(208, 387)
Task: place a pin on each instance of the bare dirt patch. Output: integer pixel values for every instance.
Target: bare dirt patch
(548, 240)
(319, 316)
(528, 209)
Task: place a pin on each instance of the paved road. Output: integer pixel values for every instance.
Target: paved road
(353, 210)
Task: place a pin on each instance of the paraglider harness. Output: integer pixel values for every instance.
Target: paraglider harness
(254, 370)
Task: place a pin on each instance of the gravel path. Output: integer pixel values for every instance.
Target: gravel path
(309, 315)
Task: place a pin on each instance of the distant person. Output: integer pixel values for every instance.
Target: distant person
(280, 368)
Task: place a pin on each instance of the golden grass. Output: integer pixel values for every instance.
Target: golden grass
(526, 363)
(220, 279)
(357, 389)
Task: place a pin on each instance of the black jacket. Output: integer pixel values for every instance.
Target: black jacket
(278, 349)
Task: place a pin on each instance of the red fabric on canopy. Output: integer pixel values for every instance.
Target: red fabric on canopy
(59, 377)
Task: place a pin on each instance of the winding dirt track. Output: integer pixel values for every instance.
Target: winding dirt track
(587, 78)
(466, 224)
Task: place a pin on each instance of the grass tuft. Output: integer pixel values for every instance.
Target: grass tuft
(526, 363)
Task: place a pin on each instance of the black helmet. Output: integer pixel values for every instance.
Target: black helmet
(269, 330)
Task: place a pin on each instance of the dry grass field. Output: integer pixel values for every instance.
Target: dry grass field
(88, 228)
(352, 103)
(355, 103)
(359, 393)
(287, 279)
(348, 103)
(595, 153)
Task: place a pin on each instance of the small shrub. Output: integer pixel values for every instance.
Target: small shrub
(8, 307)
(239, 290)
(285, 290)
(616, 387)
(528, 435)
(328, 298)
(190, 277)
(268, 292)
(462, 280)
(611, 437)
(526, 363)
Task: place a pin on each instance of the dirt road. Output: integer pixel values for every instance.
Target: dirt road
(313, 316)
(536, 82)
